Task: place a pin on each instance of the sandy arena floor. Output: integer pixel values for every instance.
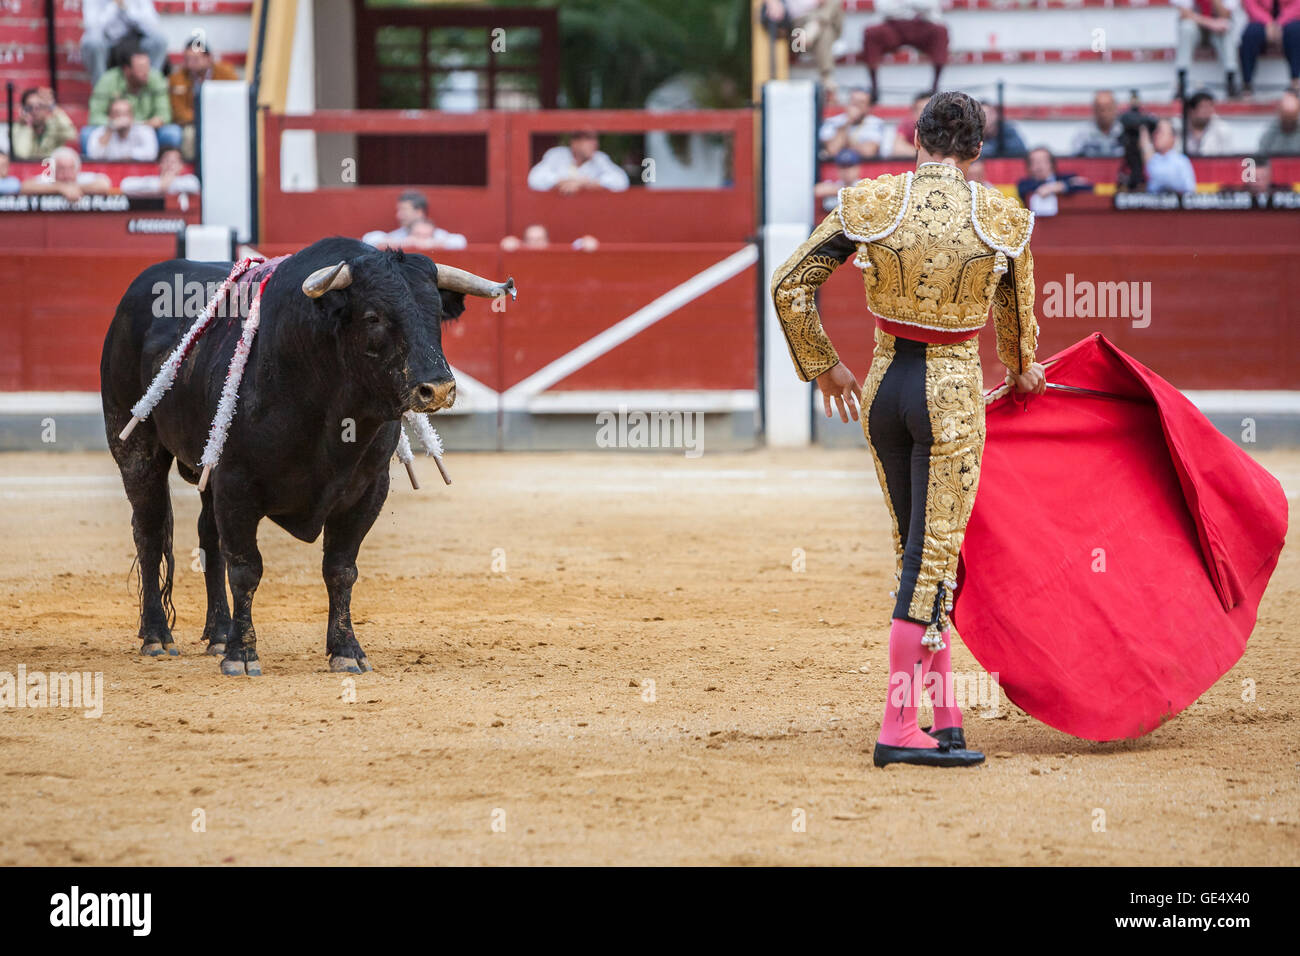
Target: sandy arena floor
(506, 720)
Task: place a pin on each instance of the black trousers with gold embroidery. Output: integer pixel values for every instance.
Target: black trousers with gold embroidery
(923, 415)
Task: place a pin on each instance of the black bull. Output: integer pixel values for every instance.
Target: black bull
(349, 340)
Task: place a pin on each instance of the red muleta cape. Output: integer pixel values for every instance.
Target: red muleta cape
(1117, 551)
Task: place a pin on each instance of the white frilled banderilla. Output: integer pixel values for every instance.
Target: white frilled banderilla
(432, 446)
(230, 390)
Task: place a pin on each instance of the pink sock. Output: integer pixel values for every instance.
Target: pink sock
(946, 711)
(908, 662)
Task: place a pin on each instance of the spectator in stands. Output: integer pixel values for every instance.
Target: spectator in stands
(412, 210)
(905, 135)
(422, 234)
(1207, 21)
(172, 180)
(978, 173)
(1207, 134)
(43, 127)
(8, 184)
(578, 167)
(854, 134)
(147, 91)
(1167, 169)
(1042, 188)
(1102, 137)
(1261, 179)
(120, 27)
(63, 175)
(184, 84)
(1282, 138)
(914, 23)
(1012, 144)
(821, 22)
(122, 138)
(536, 237)
(1273, 23)
(827, 192)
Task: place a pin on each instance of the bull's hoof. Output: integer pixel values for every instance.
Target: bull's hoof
(172, 650)
(152, 649)
(234, 668)
(215, 650)
(349, 665)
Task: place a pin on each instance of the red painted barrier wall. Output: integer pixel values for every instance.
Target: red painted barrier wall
(505, 205)
(58, 307)
(60, 232)
(1225, 306)
(1224, 292)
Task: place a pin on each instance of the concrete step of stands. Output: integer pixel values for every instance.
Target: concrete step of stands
(68, 57)
(1030, 83)
(1081, 112)
(23, 9)
(24, 54)
(1151, 54)
(204, 7)
(1051, 49)
(1073, 27)
(869, 6)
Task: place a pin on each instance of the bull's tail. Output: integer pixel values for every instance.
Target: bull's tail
(166, 570)
(167, 567)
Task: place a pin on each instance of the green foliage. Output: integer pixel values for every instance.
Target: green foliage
(615, 52)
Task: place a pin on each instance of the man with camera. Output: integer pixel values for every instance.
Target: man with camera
(43, 127)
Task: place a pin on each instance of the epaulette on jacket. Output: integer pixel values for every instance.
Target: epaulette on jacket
(1000, 222)
(871, 209)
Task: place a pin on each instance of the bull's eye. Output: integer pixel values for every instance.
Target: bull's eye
(376, 333)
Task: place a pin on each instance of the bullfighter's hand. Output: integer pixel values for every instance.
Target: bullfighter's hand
(839, 384)
(1034, 380)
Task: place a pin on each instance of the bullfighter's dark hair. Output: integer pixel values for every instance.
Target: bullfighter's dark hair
(952, 124)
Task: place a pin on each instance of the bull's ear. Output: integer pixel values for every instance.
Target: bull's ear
(453, 304)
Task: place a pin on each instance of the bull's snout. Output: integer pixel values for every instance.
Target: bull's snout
(431, 396)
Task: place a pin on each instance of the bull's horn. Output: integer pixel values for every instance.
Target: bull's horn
(323, 280)
(458, 280)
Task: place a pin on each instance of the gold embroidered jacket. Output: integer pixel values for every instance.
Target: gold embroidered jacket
(936, 253)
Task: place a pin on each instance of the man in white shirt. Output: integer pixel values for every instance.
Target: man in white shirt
(107, 23)
(578, 167)
(122, 138)
(412, 217)
(63, 175)
(171, 179)
(1207, 134)
(854, 134)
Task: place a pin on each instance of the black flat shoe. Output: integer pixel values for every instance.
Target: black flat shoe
(941, 756)
(953, 736)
